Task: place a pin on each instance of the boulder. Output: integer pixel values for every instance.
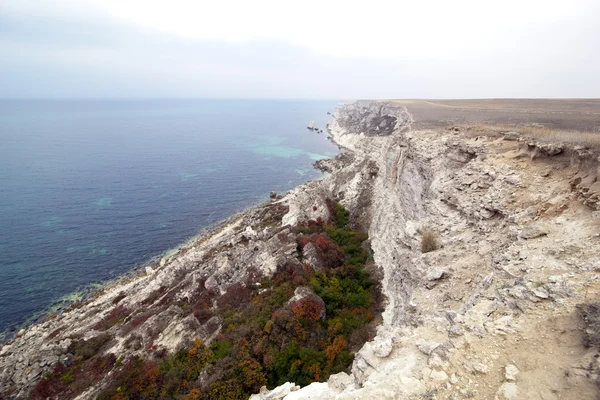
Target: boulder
(311, 257)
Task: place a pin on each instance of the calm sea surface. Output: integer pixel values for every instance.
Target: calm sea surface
(91, 189)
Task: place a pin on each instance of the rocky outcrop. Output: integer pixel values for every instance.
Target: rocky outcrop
(518, 252)
(147, 313)
(490, 314)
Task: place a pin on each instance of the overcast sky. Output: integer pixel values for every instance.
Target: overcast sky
(302, 49)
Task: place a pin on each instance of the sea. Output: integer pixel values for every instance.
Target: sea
(93, 189)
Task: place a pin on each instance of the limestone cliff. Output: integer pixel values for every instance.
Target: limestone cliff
(490, 314)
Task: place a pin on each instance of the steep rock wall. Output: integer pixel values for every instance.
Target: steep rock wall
(518, 251)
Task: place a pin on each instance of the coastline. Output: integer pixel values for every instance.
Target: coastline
(502, 292)
(91, 291)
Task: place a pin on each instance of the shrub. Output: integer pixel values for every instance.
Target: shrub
(118, 314)
(429, 241)
(264, 340)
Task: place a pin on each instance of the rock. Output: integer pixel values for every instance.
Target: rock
(551, 149)
(435, 274)
(382, 348)
(411, 229)
(278, 393)
(249, 232)
(555, 279)
(456, 330)
(149, 271)
(513, 180)
(477, 367)
(311, 257)
(427, 347)
(21, 332)
(439, 376)
(532, 231)
(35, 371)
(340, 381)
(508, 391)
(541, 293)
(6, 350)
(273, 195)
(487, 280)
(453, 379)
(511, 372)
(163, 261)
(511, 136)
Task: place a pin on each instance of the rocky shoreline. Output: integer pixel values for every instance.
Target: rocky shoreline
(491, 313)
(95, 290)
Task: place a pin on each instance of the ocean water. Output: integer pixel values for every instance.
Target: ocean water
(91, 189)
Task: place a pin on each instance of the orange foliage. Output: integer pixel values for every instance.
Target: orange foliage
(339, 344)
(315, 369)
(307, 309)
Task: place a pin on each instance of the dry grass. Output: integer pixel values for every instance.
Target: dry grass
(541, 133)
(429, 241)
(586, 138)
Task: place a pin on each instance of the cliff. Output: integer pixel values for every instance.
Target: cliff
(491, 312)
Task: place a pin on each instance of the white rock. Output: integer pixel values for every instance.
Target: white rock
(435, 273)
(508, 391)
(555, 278)
(410, 229)
(382, 348)
(278, 393)
(453, 379)
(339, 382)
(149, 271)
(474, 367)
(439, 376)
(511, 372)
(427, 347)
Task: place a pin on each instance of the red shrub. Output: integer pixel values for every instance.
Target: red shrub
(307, 309)
(140, 319)
(329, 252)
(118, 314)
(293, 271)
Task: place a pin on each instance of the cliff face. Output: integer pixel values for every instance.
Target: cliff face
(490, 313)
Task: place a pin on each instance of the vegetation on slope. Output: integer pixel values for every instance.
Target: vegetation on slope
(266, 339)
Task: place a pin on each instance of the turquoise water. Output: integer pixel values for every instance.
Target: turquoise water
(91, 189)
